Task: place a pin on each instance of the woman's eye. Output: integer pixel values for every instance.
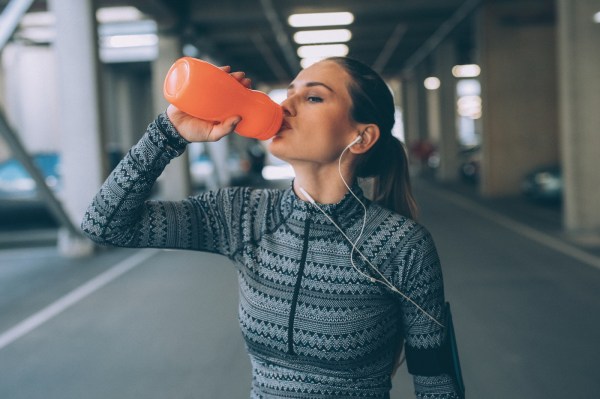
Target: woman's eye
(314, 99)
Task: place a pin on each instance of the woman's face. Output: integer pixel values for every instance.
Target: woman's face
(317, 123)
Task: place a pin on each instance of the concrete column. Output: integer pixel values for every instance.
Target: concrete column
(409, 109)
(120, 107)
(175, 181)
(445, 59)
(82, 162)
(517, 51)
(414, 112)
(433, 105)
(579, 77)
(396, 86)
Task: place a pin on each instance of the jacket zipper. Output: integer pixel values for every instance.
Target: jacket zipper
(297, 288)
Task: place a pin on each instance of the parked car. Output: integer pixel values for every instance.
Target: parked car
(16, 183)
(20, 205)
(470, 162)
(544, 184)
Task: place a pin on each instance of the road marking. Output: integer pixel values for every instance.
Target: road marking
(70, 299)
(520, 228)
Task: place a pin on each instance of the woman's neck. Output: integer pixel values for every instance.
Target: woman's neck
(323, 184)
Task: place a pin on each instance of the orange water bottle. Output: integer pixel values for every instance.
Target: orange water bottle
(205, 91)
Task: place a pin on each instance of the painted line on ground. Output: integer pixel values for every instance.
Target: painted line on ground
(73, 297)
(519, 228)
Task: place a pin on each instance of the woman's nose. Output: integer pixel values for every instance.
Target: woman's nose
(288, 107)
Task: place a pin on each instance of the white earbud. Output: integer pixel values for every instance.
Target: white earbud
(357, 140)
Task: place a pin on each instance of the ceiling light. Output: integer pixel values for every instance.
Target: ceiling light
(597, 17)
(323, 50)
(322, 36)
(38, 18)
(466, 71)
(118, 14)
(121, 41)
(432, 83)
(321, 19)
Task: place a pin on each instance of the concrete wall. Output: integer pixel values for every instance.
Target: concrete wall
(517, 52)
(579, 44)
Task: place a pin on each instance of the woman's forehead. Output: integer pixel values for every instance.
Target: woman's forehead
(328, 73)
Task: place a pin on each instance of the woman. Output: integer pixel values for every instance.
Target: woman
(329, 288)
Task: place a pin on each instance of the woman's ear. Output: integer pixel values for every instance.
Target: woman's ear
(369, 135)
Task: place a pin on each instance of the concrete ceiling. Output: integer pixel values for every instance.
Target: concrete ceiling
(253, 35)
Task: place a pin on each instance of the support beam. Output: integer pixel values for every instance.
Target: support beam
(269, 57)
(389, 47)
(44, 192)
(10, 18)
(281, 36)
(468, 7)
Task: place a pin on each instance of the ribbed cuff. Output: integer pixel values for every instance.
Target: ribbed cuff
(173, 139)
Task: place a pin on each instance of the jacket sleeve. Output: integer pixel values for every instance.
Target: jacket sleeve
(427, 354)
(121, 213)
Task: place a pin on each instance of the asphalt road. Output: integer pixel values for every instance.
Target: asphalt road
(162, 324)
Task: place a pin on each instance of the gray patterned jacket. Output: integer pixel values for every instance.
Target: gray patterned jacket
(314, 327)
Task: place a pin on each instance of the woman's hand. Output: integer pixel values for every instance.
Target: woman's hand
(198, 130)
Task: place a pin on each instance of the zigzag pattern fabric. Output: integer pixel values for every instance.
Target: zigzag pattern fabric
(314, 327)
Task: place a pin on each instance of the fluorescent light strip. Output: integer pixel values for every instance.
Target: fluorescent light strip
(597, 17)
(118, 14)
(321, 19)
(323, 50)
(322, 36)
(466, 71)
(121, 41)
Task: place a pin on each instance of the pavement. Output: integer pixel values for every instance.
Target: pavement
(163, 324)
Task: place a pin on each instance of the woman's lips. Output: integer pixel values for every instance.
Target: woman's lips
(284, 126)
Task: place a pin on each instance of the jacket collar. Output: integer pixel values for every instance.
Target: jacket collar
(345, 212)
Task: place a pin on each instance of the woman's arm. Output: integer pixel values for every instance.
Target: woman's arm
(426, 346)
(121, 214)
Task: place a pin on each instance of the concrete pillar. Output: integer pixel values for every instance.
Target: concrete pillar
(445, 59)
(4, 149)
(82, 162)
(395, 86)
(175, 181)
(409, 109)
(120, 106)
(579, 77)
(414, 112)
(434, 127)
(517, 51)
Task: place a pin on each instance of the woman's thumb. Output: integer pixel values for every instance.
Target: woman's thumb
(226, 127)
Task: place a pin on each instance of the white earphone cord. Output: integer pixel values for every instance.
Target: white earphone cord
(383, 280)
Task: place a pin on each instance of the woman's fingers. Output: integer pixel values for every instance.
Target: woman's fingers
(224, 128)
(241, 77)
(246, 82)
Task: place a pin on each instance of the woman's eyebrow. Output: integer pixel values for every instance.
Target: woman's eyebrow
(313, 84)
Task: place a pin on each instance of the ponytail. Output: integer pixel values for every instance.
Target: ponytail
(392, 188)
(386, 163)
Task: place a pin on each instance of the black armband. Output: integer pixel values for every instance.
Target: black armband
(441, 360)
